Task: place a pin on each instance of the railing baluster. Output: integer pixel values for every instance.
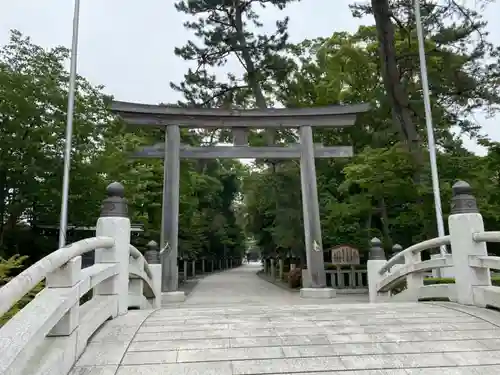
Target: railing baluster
(136, 284)
(375, 262)
(67, 277)
(415, 280)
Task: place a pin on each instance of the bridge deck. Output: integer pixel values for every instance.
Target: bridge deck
(236, 323)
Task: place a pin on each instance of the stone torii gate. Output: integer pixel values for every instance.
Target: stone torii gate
(239, 121)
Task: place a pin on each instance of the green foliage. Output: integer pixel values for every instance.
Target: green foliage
(228, 30)
(8, 269)
(495, 280)
(33, 87)
(8, 266)
(376, 193)
(294, 278)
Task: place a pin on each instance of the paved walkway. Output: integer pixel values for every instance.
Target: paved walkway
(235, 323)
(241, 286)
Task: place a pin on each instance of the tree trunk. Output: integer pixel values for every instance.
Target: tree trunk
(396, 94)
(3, 190)
(368, 227)
(385, 223)
(253, 79)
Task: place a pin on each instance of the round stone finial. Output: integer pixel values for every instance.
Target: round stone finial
(463, 202)
(153, 245)
(396, 249)
(461, 187)
(115, 205)
(115, 189)
(152, 254)
(376, 251)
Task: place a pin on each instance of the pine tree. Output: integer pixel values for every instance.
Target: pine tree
(229, 29)
(451, 30)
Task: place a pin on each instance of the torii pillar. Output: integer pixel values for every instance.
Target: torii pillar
(170, 211)
(310, 209)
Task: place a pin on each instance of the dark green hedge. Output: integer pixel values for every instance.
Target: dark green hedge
(495, 280)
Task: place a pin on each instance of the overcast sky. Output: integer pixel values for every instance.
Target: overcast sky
(127, 45)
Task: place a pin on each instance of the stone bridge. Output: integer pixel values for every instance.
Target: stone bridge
(234, 322)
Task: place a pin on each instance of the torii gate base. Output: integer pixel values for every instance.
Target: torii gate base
(239, 121)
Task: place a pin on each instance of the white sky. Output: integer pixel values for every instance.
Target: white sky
(128, 45)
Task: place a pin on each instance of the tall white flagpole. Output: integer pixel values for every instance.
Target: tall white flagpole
(428, 122)
(63, 224)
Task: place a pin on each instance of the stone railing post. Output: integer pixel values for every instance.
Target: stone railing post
(193, 267)
(273, 269)
(203, 265)
(264, 263)
(375, 263)
(281, 267)
(396, 249)
(136, 285)
(185, 269)
(179, 275)
(414, 280)
(152, 256)
(114, 223)
(464, 221)
(66, 277)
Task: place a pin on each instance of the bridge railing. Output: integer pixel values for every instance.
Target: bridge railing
(49, 334)
(468, 263)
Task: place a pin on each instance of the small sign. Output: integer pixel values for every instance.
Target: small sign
(316, 246)
(344, 255)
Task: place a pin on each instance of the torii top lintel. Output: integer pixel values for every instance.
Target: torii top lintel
(160, 115)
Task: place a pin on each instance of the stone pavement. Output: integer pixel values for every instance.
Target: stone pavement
(241, 286)
(235, 323)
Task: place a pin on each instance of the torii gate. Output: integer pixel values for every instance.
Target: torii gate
(239, 121)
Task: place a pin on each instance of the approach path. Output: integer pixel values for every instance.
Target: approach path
(236, 323)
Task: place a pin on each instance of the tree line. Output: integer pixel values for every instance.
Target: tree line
(384, 190)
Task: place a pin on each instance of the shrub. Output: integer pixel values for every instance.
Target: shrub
(495, 280)
(295, 278)
(8, 269)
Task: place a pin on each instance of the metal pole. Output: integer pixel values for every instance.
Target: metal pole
(63, 224)
(428, 123)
